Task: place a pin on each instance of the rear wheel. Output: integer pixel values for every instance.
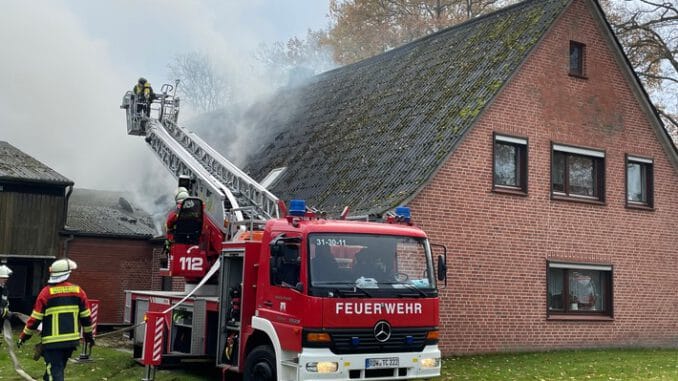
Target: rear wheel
(260, 364)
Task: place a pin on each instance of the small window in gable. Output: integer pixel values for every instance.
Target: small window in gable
(639, 182)
(510, 164)
(577, 55)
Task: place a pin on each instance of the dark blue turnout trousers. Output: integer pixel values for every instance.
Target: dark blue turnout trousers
(56, 360)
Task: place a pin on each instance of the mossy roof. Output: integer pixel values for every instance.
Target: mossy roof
(17, 166)
(371, 134)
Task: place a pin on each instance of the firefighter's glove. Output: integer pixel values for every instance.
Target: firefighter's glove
(89, 339)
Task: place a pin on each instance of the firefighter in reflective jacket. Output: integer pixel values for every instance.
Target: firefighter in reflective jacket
(5, 272)
(63, 308)
(179, 196)
(144, 95)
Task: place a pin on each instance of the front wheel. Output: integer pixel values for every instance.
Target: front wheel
(260, 364)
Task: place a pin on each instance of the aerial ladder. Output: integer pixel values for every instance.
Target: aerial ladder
(231, 197)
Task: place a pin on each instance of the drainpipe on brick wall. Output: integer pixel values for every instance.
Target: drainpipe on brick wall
(66, 241)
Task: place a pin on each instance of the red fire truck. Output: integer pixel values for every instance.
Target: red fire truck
(279, 293)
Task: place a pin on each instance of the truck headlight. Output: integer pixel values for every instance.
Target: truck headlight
(322, 367)
(430, 362)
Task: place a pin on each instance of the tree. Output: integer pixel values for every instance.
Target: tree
(648, 30)
(363, 28)
(202, 85)
(295, 60)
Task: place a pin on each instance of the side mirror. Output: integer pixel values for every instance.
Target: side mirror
(442, 268)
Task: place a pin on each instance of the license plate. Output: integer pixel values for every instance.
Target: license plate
(388, 362)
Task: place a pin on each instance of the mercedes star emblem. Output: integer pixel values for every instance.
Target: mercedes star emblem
(382, 331)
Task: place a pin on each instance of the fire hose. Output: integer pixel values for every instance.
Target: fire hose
(7, 335)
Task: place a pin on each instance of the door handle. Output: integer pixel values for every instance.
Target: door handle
(268, 303)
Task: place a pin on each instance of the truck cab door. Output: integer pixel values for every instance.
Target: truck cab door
(283, 301)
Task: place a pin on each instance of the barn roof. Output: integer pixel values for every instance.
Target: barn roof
(17, 166)
(109, 214)
(371, 134)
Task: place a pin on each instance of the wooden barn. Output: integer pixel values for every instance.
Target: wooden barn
(33, 208)
(524, 142)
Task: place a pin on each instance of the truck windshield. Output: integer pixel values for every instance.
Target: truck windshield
(370, 264)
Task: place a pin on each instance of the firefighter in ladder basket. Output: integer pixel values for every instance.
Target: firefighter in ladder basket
(143, 95)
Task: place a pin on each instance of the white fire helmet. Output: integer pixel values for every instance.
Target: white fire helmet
(5, 271)
(61, 270)
(181, 194)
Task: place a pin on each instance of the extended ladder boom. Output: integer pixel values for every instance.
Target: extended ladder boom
(228, 192)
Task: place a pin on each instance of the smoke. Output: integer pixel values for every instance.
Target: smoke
(67, 63)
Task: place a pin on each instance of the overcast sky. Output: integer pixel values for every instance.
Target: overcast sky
(66, 64)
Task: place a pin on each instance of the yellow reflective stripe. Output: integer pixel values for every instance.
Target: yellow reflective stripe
(30, 332)
(49, 372)
(60, 338)
(85, 313)
(64, 290)
(87, 329)
(37, 315)
(62, 309)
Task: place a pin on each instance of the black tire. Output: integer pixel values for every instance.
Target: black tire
(260, 364)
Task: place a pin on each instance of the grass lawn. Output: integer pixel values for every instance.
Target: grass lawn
(113, 364)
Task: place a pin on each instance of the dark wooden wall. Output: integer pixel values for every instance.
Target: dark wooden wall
(30, 219)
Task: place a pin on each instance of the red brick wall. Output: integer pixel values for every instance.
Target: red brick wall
(107, 267)
(499, 244)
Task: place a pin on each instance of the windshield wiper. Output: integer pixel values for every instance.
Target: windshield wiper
(353, 291)
(409, 287)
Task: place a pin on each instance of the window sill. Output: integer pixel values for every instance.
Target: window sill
(579, 317)
(509, 190)
(577, 75)
(591, 201)
(634, 206)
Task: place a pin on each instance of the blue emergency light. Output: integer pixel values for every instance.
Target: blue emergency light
(403, 212)
(297, 208)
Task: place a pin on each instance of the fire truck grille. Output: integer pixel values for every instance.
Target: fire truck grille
(363, 341)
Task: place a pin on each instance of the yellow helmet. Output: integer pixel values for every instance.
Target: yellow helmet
(5, 271)
(61, 270)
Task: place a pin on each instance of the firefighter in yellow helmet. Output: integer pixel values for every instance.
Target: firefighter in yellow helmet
(5, 272)
(144, 95)
(62, 308)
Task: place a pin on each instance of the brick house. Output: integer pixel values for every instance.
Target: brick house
(524, 142)
(115, 245)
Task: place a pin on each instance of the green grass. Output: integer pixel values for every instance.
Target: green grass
(609, 365)
(113, 364)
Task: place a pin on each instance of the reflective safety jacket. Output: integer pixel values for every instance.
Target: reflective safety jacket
(145, 90)
(62, 308)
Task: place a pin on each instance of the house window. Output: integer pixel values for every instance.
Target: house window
(579, 289)
(577, 51)
(639, 182)
(510, 163)
(578, 173)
